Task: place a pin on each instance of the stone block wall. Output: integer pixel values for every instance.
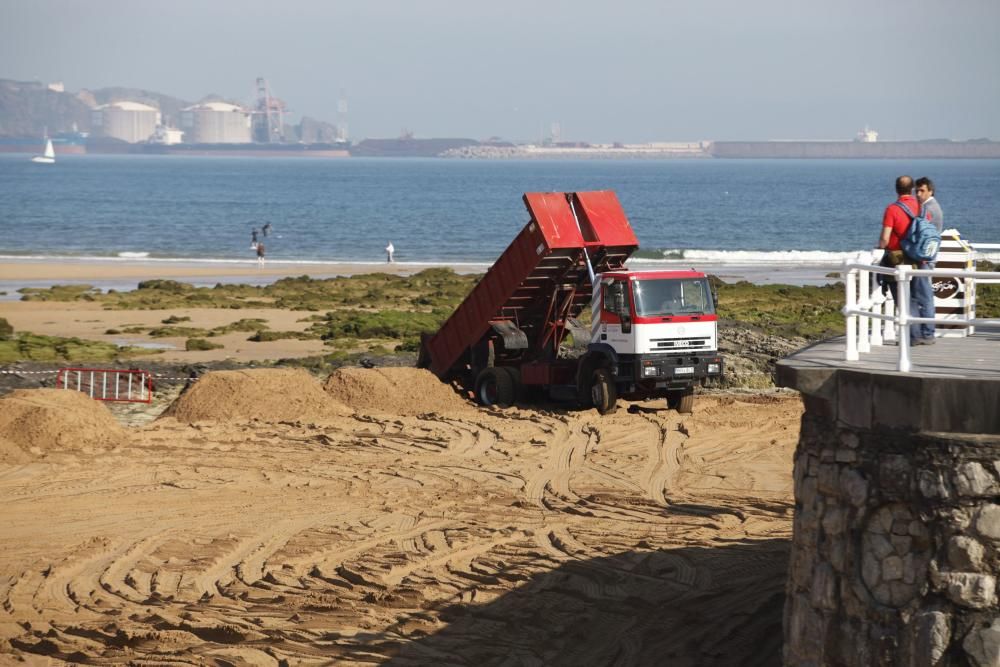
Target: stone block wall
(896, 548)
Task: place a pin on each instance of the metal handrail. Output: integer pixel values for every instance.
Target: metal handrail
(868, 325)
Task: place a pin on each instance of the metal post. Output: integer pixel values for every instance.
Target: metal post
(91, 384)
(903, 319)
(130, 386)
(104, 385)
(851, 353)
(79, 380)
(118, 380)
(864, 301)
(877, 304)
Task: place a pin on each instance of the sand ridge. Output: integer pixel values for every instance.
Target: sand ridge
(264, 394)
(394, 390)
(453, 535)
(35, 422)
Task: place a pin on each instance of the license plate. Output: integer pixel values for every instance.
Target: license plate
(685, 370)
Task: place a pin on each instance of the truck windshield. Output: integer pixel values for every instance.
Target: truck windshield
(676, 296)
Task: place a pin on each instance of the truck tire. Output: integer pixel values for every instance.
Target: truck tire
(494, 386)
(517, 387)
(681, 400)
(603, 392)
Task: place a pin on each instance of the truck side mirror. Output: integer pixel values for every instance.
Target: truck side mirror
(626, 323)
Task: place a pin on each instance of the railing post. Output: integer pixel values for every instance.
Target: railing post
(877, 302)
(903, 317)
(850, 301)
(864, 302)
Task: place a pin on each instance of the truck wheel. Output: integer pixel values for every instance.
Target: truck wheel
(603, 392)
(681, 400)
(494, 386)
(517, 388)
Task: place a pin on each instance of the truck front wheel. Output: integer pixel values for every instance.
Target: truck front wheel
(602, 391)
(494, 386)
(681, 400)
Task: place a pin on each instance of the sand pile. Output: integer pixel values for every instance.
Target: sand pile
(36, 421)
(264, 394)
(405, 391)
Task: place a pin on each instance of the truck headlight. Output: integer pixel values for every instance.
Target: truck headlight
(713, 368)
(650, 371)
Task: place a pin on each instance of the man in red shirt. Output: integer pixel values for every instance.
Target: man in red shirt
(895, 222)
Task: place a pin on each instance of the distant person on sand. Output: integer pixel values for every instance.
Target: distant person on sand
(389, 249)
(260, 253)
(266, 229)
(253, 238)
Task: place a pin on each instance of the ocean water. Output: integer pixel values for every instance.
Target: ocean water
(164, 208)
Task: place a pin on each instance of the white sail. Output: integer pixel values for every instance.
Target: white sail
(48, 157)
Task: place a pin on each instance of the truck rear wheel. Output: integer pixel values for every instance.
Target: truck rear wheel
(681, 400)
(494, 386)
(603, 392)
(517, 387)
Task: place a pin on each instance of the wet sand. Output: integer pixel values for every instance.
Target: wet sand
(381, 521)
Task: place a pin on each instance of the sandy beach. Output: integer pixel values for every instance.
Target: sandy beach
(125, 274)
(380, 518)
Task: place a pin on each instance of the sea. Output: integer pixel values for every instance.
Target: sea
(461, 212)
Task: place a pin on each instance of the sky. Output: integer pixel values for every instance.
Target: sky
(623, 70)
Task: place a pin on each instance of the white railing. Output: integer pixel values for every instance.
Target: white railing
(870, 315)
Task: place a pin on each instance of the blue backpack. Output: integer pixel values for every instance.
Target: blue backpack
(922, 239)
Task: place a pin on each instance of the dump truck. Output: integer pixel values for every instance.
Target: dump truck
(517, 336)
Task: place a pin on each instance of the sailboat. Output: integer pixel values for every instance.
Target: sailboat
(48, 157)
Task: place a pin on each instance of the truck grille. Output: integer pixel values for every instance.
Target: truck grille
(675, 343)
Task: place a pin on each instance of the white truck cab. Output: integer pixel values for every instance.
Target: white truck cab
(658, 330)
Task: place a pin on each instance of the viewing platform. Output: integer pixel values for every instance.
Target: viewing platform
(952, 386)
(896, 539)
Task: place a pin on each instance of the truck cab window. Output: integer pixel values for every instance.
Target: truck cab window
(690, 296)
(615, 298)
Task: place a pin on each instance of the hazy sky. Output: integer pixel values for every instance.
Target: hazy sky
(611, 70)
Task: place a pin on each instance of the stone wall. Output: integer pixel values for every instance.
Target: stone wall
(896, 550)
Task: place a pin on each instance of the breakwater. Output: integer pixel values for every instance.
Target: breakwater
(884, 150)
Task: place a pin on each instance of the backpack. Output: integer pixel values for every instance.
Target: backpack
(922, 239)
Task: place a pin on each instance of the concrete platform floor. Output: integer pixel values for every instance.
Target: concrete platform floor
(976, 356)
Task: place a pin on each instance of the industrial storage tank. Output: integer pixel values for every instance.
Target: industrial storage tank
(129, 121)
(216, 123)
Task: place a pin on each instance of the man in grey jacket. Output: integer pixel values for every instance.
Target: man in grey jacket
(923, 291)
(928, 205)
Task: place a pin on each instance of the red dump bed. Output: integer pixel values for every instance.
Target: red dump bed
(547, 255)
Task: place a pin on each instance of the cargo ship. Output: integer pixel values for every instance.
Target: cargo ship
(64, 143)
(317, 150)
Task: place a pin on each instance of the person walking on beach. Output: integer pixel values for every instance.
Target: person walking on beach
(389, 249)
(266, 229)
(253, 238)
(260, 254)
(895, 222)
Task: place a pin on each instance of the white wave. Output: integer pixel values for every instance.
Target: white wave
(133, 255)
(744, 257)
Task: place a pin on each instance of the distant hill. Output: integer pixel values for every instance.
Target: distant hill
(29, 108)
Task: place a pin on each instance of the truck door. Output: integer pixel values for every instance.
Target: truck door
(616, 317)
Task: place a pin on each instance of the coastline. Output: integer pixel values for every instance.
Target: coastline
(123, 275)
